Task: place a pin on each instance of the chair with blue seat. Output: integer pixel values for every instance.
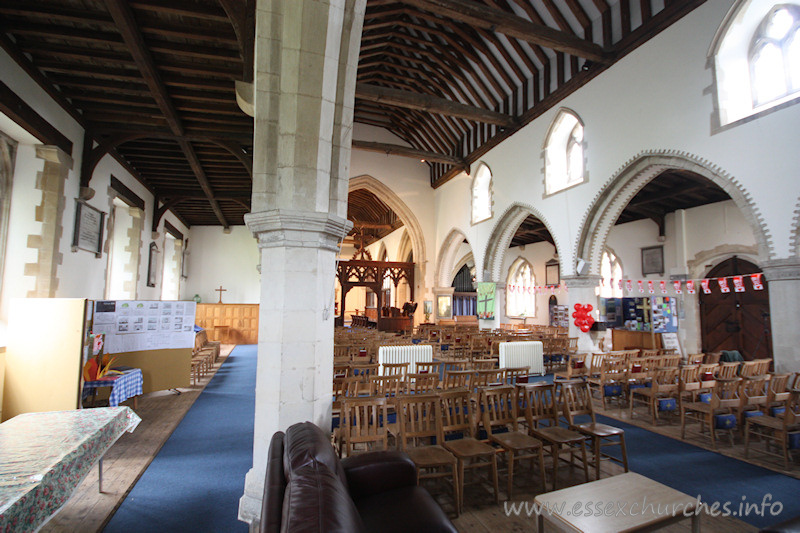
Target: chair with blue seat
(612, 379)
(660, 396)
(719, 413)
(364, 424)
(783, 431)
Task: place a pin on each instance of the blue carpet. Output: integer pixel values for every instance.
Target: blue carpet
(196, 480)
(713, 476)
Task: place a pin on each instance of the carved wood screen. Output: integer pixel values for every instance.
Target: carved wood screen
(370, 274)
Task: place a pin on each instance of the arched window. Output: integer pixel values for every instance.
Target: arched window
(520, 290)
(564, 153)
(756, 57)
(775, 55)
(482, 194)
(611, 270)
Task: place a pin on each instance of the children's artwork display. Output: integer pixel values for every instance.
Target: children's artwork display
(140, 325)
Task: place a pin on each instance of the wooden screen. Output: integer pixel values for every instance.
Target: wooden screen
(229, 323)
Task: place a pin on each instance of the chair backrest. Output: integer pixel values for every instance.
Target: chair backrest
(386, 385)
(512, 375)
(576, 401)
(540, 399)
(613, 368)
(428, 367)
(727, 370)
(392, 369)
(792, 414)
(754, 390)
(756, 367)
(712, 358)
(689, 377)
(665, 379)
(456, 413)
(419, 383)
(485, 378)
(648, 353)
(364, 371)
(420, 418)
(457, 364)
(726, 392)
(364, 422)
(498, 408)
(695, 358)
(597, 362)
(777, 388)
(671, 361)
(457, 379)
(484, 364)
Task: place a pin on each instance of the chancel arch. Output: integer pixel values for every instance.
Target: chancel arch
(615, 197)
(447, 263)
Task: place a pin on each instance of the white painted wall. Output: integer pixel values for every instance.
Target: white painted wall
(216, 258)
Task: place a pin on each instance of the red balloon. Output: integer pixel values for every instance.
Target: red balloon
(575, 314)
(578, 307)
(590, 319)
(588, 307)
(585, 328)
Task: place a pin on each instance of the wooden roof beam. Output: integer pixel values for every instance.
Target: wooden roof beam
(405, 151)
(482, 16)
(431, 104)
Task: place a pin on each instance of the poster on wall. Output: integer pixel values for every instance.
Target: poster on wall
(486, 292)
(138, 325)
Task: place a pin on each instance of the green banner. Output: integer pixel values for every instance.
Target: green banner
(486, 291)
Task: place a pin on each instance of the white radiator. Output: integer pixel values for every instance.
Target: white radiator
(523, 353)
(412, 354)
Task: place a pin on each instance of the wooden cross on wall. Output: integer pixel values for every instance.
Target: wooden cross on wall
(220, 291)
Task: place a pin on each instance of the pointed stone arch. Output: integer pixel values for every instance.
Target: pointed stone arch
(500, 239)
(405, 247)
(403, 212)
(447, 258)
(632, 177)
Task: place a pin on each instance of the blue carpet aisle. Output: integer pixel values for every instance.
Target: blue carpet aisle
(196, 480)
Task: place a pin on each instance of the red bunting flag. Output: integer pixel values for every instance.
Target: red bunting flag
(641, 285)
(738, 283)
(690, 286)
(723, 284)
(756, 280)
(620, 284)
(663, 285)
(677, 285)
(705, 284)
(650, 287)
(629, 285)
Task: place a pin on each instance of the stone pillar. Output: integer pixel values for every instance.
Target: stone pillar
(583, 290)
(783, 276)
(306, 57)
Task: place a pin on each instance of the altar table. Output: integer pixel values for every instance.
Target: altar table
(123, 386)
(46, 455)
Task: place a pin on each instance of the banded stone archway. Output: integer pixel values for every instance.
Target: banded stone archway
(448, 258)
(632, 177)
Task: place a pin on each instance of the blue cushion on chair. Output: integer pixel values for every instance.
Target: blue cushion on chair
(614, 389)
(776, 411)
(416, 341)
(726, 421)
(705, 397)
(667, 404)
(794, 440)
(750, 414)
(638, 386)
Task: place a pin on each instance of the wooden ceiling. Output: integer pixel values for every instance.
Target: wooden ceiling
(152, 81)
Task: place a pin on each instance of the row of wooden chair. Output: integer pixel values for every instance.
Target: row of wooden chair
(204, 356)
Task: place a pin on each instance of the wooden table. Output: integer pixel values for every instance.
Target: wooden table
(626, 502)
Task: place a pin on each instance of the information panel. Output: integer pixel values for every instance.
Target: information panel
(141, 325)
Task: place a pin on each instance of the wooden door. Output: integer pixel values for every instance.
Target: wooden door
(736, 320)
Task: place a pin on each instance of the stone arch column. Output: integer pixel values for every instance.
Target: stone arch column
(447, 258)
(631, 178)
(305, 71)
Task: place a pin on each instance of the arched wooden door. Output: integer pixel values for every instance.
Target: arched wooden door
(736, 320)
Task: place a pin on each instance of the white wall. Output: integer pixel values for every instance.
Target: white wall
(216, 258)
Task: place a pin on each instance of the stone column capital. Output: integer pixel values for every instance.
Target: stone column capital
(288, 228)
(782, 269)
(582, 282)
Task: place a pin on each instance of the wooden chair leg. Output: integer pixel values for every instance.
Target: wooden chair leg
(510, 473)
(624, 451)
(456, 492)
(596, 444)
(541, 468)
(556, 453)
(494, 479)
(585, 461)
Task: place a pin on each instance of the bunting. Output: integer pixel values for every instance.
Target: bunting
(724, 284)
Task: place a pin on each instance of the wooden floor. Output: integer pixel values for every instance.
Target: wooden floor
(88, 510)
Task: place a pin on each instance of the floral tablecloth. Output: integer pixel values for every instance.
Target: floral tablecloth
(43, 457)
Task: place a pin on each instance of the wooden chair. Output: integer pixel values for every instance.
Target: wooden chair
(363, 423)
(512, 376)
(663, 386)
(597, 364)
(695, 358)
(778, 392)
(395, 369)
(688, 382)
(611, 380)
(364, 370)
(422, 382)
(756, 367)
(484, 364)
(576, 367)
(752, 397)
(420, 423)
(429, 367)
(712, 358)
(387, 386)
(456, 417)
(499, 416)
(541, 412)
(457, 379)
(456, 365)
(724, 399)
(670, 361)
(775, 431)
(728, 370)
(487, 378)
(577, 402)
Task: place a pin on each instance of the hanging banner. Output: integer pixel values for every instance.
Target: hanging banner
(486, 291)
(705, 284)
(677, 285)
(723, 285)
(738, 283)
(690, 286)
(756, 280)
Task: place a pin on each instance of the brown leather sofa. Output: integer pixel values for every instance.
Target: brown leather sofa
(309, 489)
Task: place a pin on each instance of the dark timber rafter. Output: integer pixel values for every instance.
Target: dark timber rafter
(126, 24)
(431, 104)
(481, 16)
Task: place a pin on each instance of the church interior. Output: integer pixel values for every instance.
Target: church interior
(559, 200)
